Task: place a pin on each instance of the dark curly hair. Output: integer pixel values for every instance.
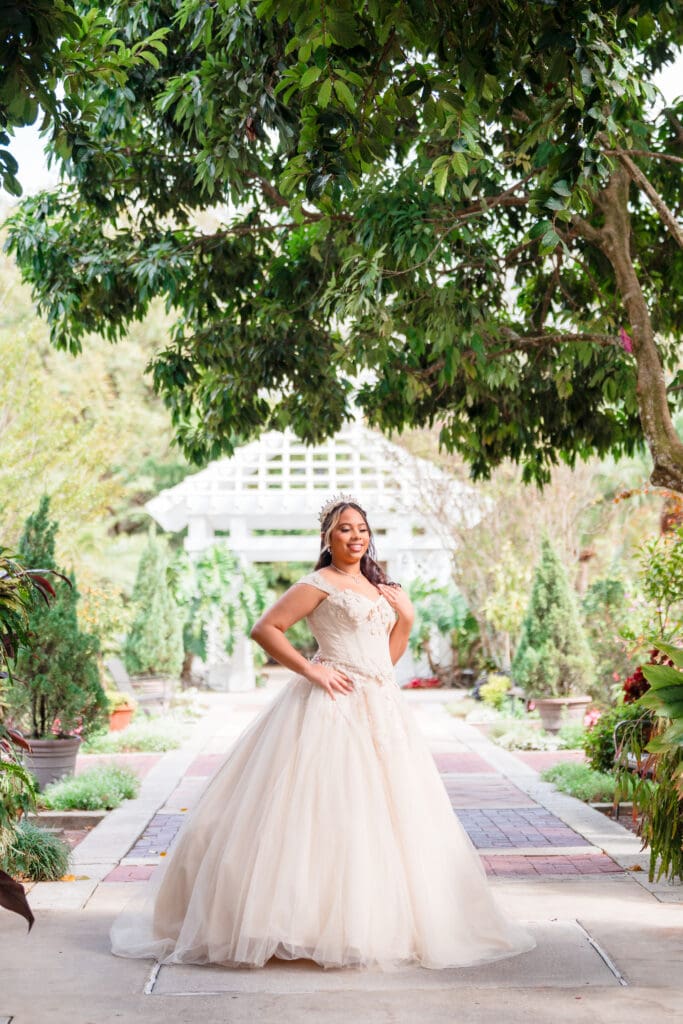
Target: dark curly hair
(368, 563)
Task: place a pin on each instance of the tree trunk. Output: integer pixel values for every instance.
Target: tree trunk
(614, 239)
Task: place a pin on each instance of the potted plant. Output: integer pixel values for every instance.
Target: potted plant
(656, 786)
(553, 663)
(121, 709)
(55, 694)
(19, 587)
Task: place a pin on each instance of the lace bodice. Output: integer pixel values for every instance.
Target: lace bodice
(352, 630)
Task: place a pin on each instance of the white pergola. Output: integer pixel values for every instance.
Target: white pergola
(279, 484)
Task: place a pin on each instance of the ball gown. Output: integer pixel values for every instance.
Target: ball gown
(326, 834)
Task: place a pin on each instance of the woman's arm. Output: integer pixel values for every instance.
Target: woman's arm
(400, 602)
(269, 632)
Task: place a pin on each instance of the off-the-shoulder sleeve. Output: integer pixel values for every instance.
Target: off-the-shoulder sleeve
(316, 579)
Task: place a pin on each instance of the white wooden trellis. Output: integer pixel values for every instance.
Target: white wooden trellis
(279, 483)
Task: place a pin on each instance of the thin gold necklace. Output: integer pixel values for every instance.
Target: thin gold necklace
(356, 576)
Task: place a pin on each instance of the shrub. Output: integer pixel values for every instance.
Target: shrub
(116, 700)
(521, 736)
(581, 781)
(154, 645)
(36, 854)
(101, 788)
(461, 708)
(598, 743)
(572, 736)
(56, 686)
(605, 611)
(553, 658)
(139, 737)
(495, 690)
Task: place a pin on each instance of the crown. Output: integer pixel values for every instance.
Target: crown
(338, 499)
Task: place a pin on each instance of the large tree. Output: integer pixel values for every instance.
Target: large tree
(476, 202)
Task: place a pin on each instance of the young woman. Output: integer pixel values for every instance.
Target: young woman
(327, 833)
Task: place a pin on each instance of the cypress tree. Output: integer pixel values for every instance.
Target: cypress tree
(56, 687)
(154, 645)
(553, 658)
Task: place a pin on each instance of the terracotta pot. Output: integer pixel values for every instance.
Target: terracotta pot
(120, 718)
(555, 711)
(50, 760)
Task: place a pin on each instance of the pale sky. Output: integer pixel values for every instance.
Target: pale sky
(27, 147)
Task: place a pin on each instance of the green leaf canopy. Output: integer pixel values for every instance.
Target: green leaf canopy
(470, 207)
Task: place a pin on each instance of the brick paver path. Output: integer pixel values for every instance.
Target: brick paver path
(582, 864)
(512, 827)
(540, 759)
(496, 814)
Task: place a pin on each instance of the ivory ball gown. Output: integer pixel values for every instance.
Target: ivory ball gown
(326, 834)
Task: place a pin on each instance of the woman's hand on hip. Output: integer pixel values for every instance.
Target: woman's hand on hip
(331, 680)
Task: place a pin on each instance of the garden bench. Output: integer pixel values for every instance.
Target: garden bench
(148, 691)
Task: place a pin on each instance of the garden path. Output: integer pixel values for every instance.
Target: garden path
(609, 943)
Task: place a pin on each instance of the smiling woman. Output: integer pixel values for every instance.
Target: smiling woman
(327, 833)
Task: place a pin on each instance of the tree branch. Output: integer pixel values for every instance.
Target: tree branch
(646, 186)
(647, 153)
(676, 125)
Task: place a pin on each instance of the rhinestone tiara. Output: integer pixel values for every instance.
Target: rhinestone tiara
(338, 499)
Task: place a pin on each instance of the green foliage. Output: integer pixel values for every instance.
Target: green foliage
(221, 598)
(660, 798)
(48, 40)
(154, 645)
(661, 575)
(605, 613)
(599, 745)
(572, 736)
(36, 854)
(521, 735)
(17, 794)
(138, 737)
(56, 688)
(442, 611)
(581, 781)
(553, 658)
(95, 420)
(393, 195)
(117, 700)
(101, 788)
(495, 691)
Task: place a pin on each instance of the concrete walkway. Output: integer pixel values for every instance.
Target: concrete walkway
(609, 943)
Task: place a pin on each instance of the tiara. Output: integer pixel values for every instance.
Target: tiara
(338, 499)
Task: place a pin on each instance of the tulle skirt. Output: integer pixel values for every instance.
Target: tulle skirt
(326, 834)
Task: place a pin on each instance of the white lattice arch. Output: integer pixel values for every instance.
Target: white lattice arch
(279, 484)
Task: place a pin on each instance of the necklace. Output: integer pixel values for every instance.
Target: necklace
(355, 576)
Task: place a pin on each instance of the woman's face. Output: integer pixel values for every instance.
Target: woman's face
(350, 538)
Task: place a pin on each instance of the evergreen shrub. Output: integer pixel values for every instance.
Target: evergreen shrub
(553, 658)
(154, 645)
(56, 688)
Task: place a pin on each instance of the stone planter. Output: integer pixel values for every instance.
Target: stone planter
(120, 718)
(555, 711)
(50, 760)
